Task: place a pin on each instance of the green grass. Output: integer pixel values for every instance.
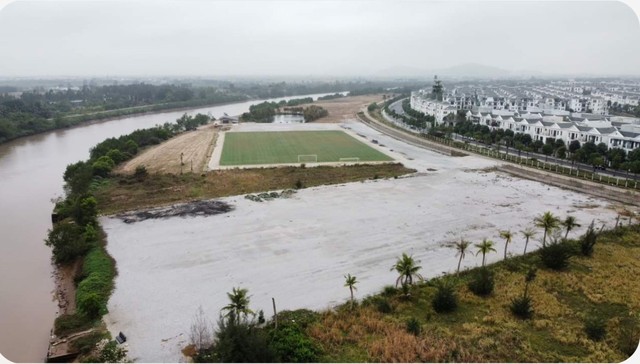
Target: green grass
(242, 148)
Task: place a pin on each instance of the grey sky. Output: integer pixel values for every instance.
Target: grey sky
(217, 38)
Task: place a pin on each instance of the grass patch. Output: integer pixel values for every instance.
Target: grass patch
(125, 193)
(241, 148)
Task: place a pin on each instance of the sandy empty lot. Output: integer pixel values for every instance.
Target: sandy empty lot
(297, 250)
(345, 108)
(195, 146)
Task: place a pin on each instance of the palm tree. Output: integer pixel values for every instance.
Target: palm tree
(461, 248)
(350, 281)
(239, 304)
(569, 223)
(507, 235)
(407, 269)
(485, 247)
(548, 222)
(528, 233)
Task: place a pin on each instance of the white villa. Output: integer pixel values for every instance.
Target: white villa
(615, 132)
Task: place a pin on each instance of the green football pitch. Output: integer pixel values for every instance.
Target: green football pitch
(271, 147)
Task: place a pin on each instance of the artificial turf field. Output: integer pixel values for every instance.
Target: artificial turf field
(271, 147)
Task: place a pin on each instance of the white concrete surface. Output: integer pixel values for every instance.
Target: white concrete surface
(298, 250)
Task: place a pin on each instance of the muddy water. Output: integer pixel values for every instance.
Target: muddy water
(30, 177)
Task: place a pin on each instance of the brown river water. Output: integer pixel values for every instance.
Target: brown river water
(31, 171)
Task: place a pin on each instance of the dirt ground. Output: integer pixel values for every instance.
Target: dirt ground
(195, 146)
(344, 108)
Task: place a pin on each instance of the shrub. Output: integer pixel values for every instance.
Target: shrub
(556, 256)
(482, 282)
(290, 344)
(413, 326)
(237, 341)
(67, 242)
(301, 317)
(66, 324)
(588, 241)
(522, 307)
(629, 335)
(595, 327)
(389, 291)
(85, 344)
(383, 305)
(103, 166)
(93, 291)
(140, 173)
(445, 299)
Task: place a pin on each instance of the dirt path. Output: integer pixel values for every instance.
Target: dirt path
(195, 147)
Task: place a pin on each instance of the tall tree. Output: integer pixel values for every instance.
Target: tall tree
(527, 233)
(407, 270)
(548, 222)
(507, 235)
(485, 247)
(461, 247)
(239, 304)
(350, 281)
(569, 223)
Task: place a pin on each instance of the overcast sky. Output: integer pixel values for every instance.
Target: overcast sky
(352, 38)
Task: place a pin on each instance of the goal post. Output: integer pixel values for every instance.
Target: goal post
(350, 159)
(307, 158)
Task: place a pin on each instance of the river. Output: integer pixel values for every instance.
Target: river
(31, 171)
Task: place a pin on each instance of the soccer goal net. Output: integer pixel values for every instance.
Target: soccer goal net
(307, 158)
(350, 159)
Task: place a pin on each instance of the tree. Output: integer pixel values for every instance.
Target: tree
(507, 235)
(569, 223)
(574, 146)
(461, 248)
(67, 242)
(548, 222)
(103, 166)
(350, 281)
(527, 233)
(547, 150)
(407, 270)
(485, 247)
(239, 304)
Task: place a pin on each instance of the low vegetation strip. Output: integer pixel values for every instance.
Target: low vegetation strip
(570, 301)
(242, 148)
(125, 193)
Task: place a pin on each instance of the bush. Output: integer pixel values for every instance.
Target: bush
(413, 326)
(482, 282)
(389, 291)
(141, 173)
(595, 327)
(85, 344)
(299, 184)
(93, 291)
(290, 344)
(588, 241)
(522, 307)
(103, 166)
(383, 305)
(67, 242)
(445, 299)
(629, 335)
(237, 342)
(66, 324)
(556, 256)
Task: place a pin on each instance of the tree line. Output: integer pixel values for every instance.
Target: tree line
(35, 112)
(597, 155)
(265, 111)
(76, 234)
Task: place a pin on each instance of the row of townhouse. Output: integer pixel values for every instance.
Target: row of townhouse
(615, 134)
(438, 109)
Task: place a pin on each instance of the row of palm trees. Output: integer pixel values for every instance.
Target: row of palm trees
(407, 268)
(547, 221)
